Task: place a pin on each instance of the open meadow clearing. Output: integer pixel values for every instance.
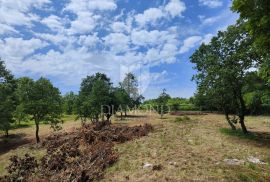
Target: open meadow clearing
(192, 148)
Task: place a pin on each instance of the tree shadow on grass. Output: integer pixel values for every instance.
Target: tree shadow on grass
(12, 142)
(132, 116)
(260, 138)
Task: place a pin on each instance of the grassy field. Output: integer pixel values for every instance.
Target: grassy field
(189, 148)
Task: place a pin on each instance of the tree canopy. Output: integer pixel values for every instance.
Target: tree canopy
(222, 67)
(7, 98)
(43, 102)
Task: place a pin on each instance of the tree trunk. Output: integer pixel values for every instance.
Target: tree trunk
(229, 121)
(121, 115)
(37, 131)
(242, 123)
(6, 133)
(125, 113)
(242, 114)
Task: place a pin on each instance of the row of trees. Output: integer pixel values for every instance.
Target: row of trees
(25, 99)
(233, 69)
(98, 98)
(22, 99)
(164, 103)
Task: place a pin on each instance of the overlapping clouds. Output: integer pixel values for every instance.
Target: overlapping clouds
(80, 37)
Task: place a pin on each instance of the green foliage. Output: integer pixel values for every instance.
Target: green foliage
(222, 69)
(130, 85)
(95, 94)
(69, 103)
(7, 98)
(22, 85)
(43, 102)
(162, 107)
(175, 104)
(121, 100)
(256, 14)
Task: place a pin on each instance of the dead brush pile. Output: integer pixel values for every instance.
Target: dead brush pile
(78, 156)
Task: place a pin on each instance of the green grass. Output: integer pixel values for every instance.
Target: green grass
(26, 124)
(237, 133)
(182, 119)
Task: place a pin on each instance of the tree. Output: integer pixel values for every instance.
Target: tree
(69, 102)
(7, 98)
(256, 14)
(94, 94)
(121, 100)
(22, 86)
(43, 102)
(162, 107)
(130, 85)
(222, 67)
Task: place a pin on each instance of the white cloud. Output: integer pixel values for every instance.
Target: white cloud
(89, 40)
(102, 5)
(175, 8)
(207, 38)
(77, 6)
(53, 22)
(56, 39)
(84, 23)
(19, 48)
(18, 12)
(155, 37)
(149, 15)
(189, 43)
(120, 27)
(117, 42)
(210, 20)
(211, 3)
(6, 29)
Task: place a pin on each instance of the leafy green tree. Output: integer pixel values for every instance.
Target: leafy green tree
(130, 85)
(222, 67)
(7, 98)
(162, 107)
(69, 103)
(256, 14)
(43, 102)
(95, 93)
(121, 100)
(22, 86)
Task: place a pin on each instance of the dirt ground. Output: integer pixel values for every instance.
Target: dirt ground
(192, 150)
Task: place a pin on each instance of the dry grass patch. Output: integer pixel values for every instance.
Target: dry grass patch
(191, 150)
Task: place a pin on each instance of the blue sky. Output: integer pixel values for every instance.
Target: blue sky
(69, 39)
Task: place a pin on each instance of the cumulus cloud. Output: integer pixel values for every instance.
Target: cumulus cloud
(102, 5)
(175, 8)
(149, 15)
(120, 27)
(189, 43)
(19, 48)
(53, 22)
(18, 12)
(117, 42)
(80, 37)
(211, 3)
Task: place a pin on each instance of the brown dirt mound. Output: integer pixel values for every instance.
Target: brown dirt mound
(78, 156)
